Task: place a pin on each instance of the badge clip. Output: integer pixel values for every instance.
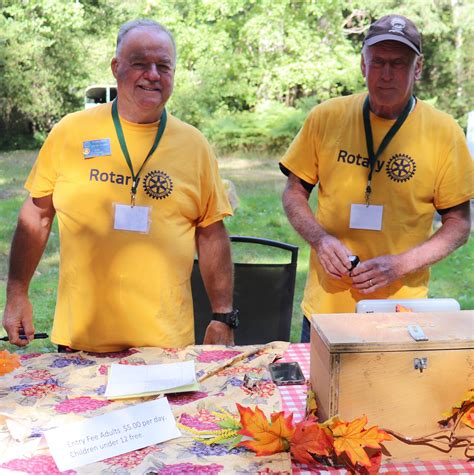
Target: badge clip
(133, 192)
(368, 190)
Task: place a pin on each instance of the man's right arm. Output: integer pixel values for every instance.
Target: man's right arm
(30, 238)
(331, 252)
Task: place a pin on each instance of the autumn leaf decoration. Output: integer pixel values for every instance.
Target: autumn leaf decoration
(8, 362)
(462, 411)
(310, 438)
(449, 437)
(265, 438)
(352, 439)
(401, 308)
(333, 443)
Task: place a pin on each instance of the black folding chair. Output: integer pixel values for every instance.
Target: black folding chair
(263, 292)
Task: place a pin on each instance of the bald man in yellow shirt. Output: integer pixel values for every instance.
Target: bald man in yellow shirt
(136, 192)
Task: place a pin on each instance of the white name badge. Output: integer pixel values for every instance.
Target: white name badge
(136, 219)
(366, 217)
(115, 433)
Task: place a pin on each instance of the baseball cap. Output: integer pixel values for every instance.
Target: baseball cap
(394, 28)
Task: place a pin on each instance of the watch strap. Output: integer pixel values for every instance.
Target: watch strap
(230, 318)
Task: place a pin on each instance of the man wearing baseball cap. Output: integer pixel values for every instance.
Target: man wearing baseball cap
(384, 162)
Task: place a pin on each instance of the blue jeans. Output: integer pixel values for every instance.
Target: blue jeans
(305, 330)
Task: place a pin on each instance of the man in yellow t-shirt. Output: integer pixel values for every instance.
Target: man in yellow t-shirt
(136, 191)
(383, 162)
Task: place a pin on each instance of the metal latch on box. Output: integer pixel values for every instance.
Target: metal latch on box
(420, 363)
(417, 333)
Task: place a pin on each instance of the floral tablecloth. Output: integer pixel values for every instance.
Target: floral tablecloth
(52, 390)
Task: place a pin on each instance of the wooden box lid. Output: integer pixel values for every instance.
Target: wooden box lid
(370, 332)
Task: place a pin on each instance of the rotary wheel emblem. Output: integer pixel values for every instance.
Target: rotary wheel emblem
(157, 185)
(400, 168)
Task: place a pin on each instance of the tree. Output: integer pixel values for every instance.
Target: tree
(39, 60)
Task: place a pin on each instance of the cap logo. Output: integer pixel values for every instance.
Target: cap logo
(398, 24)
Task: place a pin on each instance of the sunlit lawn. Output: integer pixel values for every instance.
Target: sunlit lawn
(259, 185)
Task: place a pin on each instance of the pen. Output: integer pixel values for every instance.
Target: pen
(37, 336)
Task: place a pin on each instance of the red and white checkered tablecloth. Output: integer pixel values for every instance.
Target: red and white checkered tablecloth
(294, 400)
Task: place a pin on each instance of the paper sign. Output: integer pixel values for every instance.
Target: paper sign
(128, 380)
(181, 389)
(366, 217)
(115, 433)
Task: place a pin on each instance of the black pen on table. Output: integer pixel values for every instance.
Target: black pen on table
(36, 336)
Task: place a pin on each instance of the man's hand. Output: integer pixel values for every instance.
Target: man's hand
(333, 256)
(18, 316)
(381, 271)
(332, 253)
(31, 234)
(218, 333)
(376, 273)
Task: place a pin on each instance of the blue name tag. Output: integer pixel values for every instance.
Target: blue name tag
(96, 148)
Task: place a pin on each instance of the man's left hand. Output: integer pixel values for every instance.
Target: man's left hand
(218, 333)
(376, 273)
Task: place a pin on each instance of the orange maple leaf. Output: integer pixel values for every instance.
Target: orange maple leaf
(466, 400)
(268, 438)
(352, 438)
(311, 404)
(310, 438)
(402, 308)
(468, 418)
(8, 362)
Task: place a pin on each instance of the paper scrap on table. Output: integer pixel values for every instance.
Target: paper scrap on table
(143, 380)
(111, 434)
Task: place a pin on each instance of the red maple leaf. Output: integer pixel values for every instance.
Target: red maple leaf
(310, 438)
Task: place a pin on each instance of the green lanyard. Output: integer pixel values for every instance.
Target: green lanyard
(386, 140)
(123, 145)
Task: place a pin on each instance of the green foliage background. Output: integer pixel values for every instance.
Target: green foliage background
(248, 70)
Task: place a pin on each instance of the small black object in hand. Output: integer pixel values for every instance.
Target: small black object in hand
(354, 260)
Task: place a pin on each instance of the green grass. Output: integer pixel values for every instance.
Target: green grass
(259, 185)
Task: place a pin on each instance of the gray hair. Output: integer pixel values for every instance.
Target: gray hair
(142, 23)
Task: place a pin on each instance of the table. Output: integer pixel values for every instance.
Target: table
(54, 390)
(294, 400)
(51, 390)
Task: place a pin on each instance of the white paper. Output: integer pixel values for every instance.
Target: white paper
(115, 433)
(366, 217)
(131, 219)
(126, 380)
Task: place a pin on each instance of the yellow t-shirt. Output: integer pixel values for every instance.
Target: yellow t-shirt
(426, 166)
(119, 289)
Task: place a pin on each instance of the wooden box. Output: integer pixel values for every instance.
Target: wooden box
(365, 364)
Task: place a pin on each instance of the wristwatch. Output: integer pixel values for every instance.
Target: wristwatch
(231, 318)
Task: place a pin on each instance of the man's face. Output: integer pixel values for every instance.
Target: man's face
(144, 69)
(390, 69)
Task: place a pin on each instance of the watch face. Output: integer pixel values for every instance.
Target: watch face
(234, 319)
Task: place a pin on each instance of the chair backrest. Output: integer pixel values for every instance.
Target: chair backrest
(417, 305)
(263, 293)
